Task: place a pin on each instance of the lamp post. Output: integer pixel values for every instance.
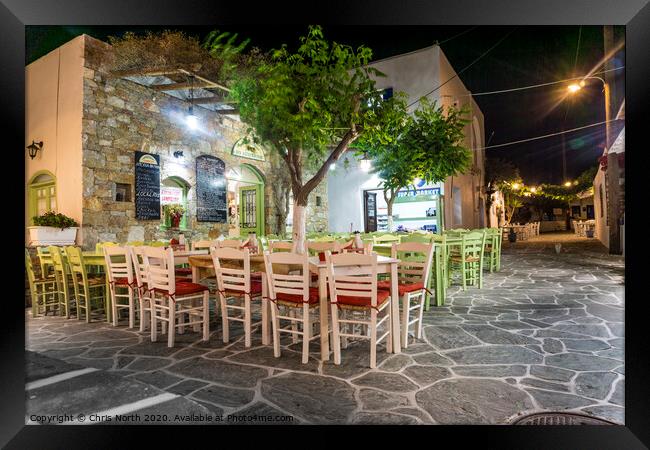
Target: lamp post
(575, 87)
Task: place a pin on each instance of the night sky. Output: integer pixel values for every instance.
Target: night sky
(528, 55)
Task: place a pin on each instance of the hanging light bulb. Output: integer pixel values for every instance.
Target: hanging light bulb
(333, 166)
(190, 119)
(365, 163)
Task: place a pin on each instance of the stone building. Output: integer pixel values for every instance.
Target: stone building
(91, 124)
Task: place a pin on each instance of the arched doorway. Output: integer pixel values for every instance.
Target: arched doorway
(175, 190)
(245, 200)
(41, 193)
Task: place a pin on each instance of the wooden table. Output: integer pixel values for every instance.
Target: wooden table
(384, 265)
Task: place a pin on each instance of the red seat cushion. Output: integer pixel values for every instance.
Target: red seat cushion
(183, 271)
(256, 276)
(402, 288)
(122, 281)
(185, 288)
(256, 289)
(314, 296)
(382, 296)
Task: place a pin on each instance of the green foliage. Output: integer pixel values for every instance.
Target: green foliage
(52, 219)
(499, 171)
(429, 146)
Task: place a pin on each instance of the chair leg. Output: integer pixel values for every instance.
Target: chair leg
(336, 339)
(206, 316)
(294, 325)
(306, 335)
(275, 329)
(404, 329)
(143, 313)
(373, 338)
(247, 321)
(114, 306)
(224, 318)
(171, 330)
(154, 320)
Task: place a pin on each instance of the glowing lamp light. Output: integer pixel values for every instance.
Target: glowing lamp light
(574, 87)
(333, 166)
(191, 120)
(533, 189)
(515, 186)
(365, 163)
(575, 183)
(567, 184)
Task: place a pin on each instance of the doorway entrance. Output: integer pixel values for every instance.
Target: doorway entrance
(245, 201)
(370, 211)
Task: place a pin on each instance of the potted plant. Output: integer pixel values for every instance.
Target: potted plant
(175, 211)
(53, 229)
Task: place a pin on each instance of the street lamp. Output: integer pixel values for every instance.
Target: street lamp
(365, 164)
(567, 184)
(575, 87)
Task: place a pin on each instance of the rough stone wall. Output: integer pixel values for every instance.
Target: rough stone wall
(121, 117)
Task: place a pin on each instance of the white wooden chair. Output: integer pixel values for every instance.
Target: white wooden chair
(171, 301)
(235, 283)
(355, 300)
(119, 269)
(144, 298)
(348, 247)
(231, 243)
(280, 246)
(204, 244)
(292, 293)
(413, 273)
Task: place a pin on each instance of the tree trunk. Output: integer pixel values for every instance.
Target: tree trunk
(389, 207)
(298, 227)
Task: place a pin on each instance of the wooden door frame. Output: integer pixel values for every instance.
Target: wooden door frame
(365, 210)
(259, 200)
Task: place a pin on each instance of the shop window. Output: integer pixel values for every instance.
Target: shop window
(122, 192)
(42, 194)
(174, 190)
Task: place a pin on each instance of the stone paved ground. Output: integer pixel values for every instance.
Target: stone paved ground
(545, 334)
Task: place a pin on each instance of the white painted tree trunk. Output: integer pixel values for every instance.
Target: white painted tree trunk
(298, 227)
(390, 223)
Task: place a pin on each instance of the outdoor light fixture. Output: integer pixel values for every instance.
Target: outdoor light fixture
(191, 120)
(575, 87)
(365, 164)
(567, 184)
(33, 148)
(332, 166)
(515, 186)
(178, 154)
(533, 189)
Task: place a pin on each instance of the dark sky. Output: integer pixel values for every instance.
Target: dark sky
(529, 55)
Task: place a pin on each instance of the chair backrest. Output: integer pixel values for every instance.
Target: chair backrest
(325, 238)
(139, 266)
(135, 243)
(315, 247)
(417, 237)
(30, 270)
(100, 245)
(415, 261)
(118, 263)
(76, 263)
(473, 243)
(158, 244)
(280, 246)
(42, 253)
(348, 247)
(159, 264)
(386, 239)
(203, 244)
(290, 284)
(352, 274)
(231, 243)
(232, 278)
(60, 266)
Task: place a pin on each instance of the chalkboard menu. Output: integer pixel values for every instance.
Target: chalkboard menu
(147, 186)
(211, 205)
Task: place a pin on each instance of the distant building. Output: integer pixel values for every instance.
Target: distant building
(355, 199)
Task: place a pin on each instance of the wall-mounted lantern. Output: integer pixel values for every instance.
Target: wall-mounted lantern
(178, 154)
(33, 148)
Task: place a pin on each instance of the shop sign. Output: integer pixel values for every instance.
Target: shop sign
(170, 195)
(248, 150)
(418, 192)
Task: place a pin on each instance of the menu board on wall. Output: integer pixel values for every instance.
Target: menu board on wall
(211, 204)
(147, 186)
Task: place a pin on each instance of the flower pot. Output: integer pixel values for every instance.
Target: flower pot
(52, 236)
(176, 220)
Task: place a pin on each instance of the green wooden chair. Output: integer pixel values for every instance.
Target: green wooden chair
(99, 247)
(135, 243)
(44, 263)
(63, 279)
(88, 290)
(417, 237)
(42, 289)
(493, 249)
(158, 244)
(470, 259)
(438, 282)
(386, 239)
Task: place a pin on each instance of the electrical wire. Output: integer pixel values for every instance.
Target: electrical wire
(457, 35)
(549, 135)
(466, 67)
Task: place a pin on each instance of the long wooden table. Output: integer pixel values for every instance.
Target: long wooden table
(384, 265)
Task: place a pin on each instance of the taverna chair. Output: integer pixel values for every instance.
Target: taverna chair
(413, 273)
(42, 289)
(292, 300)
(470, 258)
(280, 246)
(231, 243)
(123, 285)
(355, 300)
(144, 298)
(63, 279)
(316, 247)
(386, 239)
(89, 291)
(171, 301)
(232, 268)
(493, 248)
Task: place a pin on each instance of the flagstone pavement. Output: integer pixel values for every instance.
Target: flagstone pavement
(545, 333)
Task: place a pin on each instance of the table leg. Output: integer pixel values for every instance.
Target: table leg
(109, 305)
(195, 274)
(265, 311)
(324, 315)
(394, 308)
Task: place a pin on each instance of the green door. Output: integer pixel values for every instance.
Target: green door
(251, 210)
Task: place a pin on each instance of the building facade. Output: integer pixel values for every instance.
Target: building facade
(92, 124)
(462, 198)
